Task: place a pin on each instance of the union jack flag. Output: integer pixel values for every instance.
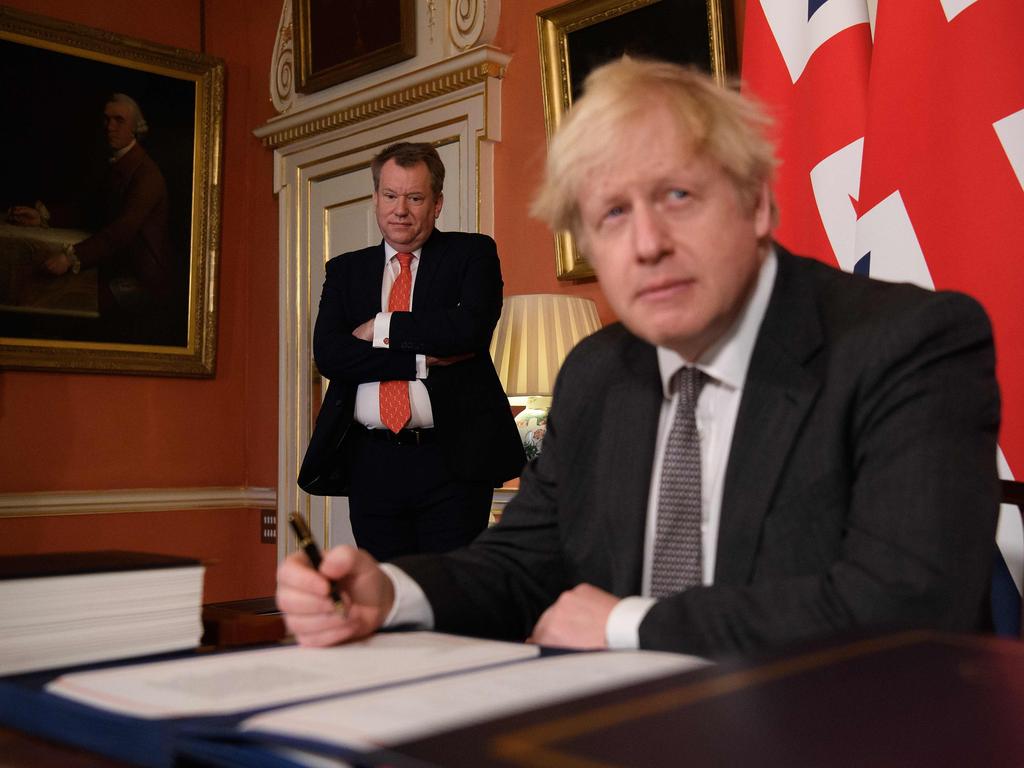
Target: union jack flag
(910, 148)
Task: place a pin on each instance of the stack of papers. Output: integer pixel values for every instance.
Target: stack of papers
(235, 682)
(79, 607)
(386, 717)
(360, 697)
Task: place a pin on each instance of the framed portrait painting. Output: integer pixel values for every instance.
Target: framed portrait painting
(340, 40)
(577, 36)
(109, 201)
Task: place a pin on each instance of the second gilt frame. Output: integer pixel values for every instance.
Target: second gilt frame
(579, 35)
(329, 39)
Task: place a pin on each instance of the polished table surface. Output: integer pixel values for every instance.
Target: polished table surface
(20, 750)
(913, 699)
(905, 699)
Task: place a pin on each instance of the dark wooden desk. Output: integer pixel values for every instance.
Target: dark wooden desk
(242, 622)
(20, 750)
(910, 699)
(913, 700)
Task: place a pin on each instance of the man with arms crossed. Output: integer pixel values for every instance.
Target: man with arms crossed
(415, 428)
(838, 438)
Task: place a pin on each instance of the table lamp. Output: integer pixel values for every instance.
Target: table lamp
(533, 336)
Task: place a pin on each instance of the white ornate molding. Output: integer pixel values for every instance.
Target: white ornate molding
(473, 22)
(457, 73)
(431, 19)
(449, 94)
(469, 23)
(134, 500)
(282, 65)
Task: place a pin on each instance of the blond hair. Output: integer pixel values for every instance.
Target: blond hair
(722, 126)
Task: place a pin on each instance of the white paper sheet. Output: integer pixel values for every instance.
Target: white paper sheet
(386, 717)
(234, 682)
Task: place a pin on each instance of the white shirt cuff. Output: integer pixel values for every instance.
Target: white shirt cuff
(411, 606)
(622, 632)
(381, 339)
(382, 330)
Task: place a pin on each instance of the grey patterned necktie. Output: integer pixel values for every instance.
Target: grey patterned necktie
(678, 558)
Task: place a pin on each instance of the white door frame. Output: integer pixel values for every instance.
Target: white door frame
(455, 105)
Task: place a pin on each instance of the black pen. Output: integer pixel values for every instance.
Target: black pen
(308, 545)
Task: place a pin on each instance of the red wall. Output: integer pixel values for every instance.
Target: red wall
(526, 246)
(91, 432)
(83, 432)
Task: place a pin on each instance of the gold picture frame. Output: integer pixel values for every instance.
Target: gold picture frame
(340, 40)
(106, 313)
(577, 36)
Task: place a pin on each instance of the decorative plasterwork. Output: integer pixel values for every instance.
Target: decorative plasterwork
(473, 22)
(454, 74)
(470, 24)
(431, 18)
(282, 69)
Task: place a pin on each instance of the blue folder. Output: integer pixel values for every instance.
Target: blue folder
(162, 742)
(26, 705)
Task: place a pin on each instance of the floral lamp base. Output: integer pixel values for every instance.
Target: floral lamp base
(533, 423)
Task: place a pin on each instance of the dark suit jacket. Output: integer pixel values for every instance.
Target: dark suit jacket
(456, 304)
(132, 239)
(860, 490)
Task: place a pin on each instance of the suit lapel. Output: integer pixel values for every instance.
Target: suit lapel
(780, 389)
(431, 258)
(629, 424)
(368, 281)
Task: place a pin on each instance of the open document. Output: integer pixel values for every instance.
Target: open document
(386, 717)
(247, 680)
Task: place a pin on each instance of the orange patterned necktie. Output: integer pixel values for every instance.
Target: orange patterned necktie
(394, 395)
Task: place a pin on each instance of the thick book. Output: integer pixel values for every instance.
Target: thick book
(69, 608)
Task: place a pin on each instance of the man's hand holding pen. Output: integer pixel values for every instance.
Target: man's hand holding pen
(304, 595)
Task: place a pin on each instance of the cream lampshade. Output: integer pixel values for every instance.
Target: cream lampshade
(535, 333)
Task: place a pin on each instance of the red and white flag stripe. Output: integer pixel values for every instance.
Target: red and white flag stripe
(903, 157)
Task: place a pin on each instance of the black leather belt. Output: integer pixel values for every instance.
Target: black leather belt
(416, 436)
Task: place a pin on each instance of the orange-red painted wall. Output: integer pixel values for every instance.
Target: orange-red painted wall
(76, 432)
(85, 432)
(225, 540)
(526, 246)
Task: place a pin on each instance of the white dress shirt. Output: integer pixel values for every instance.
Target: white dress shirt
(726, 364)
(118, 154)
(367, 408)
